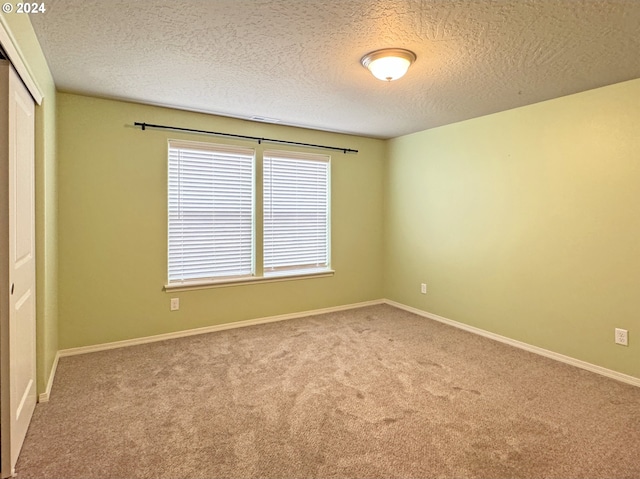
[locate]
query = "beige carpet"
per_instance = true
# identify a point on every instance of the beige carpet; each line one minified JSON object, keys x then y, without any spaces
{"x":372,"y":392}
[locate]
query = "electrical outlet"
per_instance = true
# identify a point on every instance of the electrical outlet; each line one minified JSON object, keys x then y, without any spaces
{"x":622,"y":337}
{"x":423,"y":288}
{"x":175,"y":304}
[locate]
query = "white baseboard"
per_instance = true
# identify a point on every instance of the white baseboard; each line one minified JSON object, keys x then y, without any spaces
{"x":519,"y":344}
{"x":44,"y":397}
{"x":209,"y":329}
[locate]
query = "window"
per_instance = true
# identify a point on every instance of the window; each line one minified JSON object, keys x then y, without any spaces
{"x":212,"y":196}
{"x":296,"y":212}
{"x":211,"y":212}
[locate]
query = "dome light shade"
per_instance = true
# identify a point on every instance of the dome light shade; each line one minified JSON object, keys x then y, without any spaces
{"x":388,"y":64}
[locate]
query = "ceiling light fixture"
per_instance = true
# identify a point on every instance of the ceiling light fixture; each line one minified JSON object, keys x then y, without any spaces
{"x":388,"y":64}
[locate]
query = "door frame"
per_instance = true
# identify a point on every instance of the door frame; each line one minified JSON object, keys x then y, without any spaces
{"x":12,"y":51}
{"x":5,"y":386}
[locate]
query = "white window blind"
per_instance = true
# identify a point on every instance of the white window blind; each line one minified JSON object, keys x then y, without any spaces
{"x":296,"y":211}
{"x":210,"y":211}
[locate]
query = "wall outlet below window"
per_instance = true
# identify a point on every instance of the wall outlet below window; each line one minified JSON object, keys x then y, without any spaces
{"x":175,"y":304}
{"x":423,"y":288}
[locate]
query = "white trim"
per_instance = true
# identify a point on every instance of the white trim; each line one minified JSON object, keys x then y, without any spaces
{"x":44,"y":397}
{"x":211,"y":146}
{"x":221,"y":283}
{"x":296,"y":155}
{"x":271,"y":319}
{"x":210,"y":329}
{"x":625,"y":378}
{"x":9,"y":45}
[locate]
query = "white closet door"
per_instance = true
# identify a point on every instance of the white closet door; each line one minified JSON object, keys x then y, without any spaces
{"x":17,"y":264}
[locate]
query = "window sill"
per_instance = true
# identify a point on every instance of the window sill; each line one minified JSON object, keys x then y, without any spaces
{"x":270,"y":278}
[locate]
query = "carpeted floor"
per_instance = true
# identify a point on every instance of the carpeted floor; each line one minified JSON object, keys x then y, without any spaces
{"x":372,"y":392}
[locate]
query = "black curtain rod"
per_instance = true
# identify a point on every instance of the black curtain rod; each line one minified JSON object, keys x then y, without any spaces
{"x":243,"y":137}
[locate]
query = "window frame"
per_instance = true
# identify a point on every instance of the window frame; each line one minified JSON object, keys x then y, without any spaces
{"x":258,"y":274}
{"x":220,"y":149}
{"x":284,"y":270}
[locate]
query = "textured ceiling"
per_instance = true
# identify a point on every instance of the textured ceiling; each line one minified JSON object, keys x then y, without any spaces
{"x":298,"y":61}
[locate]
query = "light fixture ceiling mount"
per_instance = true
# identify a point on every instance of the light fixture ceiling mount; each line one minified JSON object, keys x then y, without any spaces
{"x":388,"y":64}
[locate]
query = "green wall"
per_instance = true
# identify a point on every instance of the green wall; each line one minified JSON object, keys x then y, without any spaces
{"x":26,"y":43}
{"x":525,"y":223}
{"x":113,"y":225}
